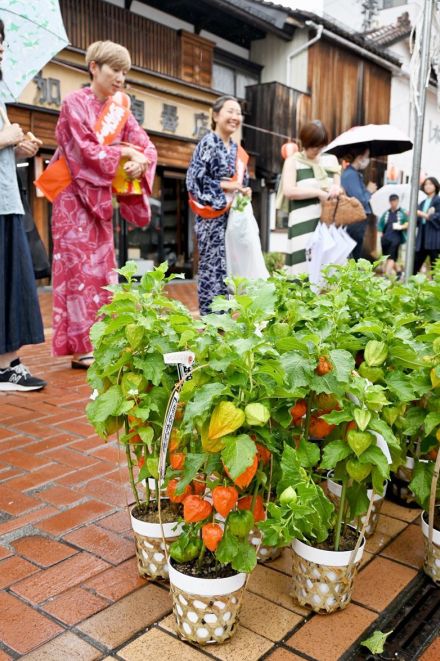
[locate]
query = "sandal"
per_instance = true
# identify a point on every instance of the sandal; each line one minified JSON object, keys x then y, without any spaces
{"x":82,"y":363}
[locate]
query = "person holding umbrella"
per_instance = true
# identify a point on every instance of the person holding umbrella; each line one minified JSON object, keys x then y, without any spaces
{"x":352,"y":182}
{"x":428,"y":223}
{"x":356,"y":146}
{"x":20,"y":317}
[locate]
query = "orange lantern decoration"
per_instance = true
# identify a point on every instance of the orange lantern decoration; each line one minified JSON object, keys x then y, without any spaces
{"x":288,"y":149}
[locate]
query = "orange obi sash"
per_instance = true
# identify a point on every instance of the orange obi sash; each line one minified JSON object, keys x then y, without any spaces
{"x":208,"y":212}
{"x":110,"y":123}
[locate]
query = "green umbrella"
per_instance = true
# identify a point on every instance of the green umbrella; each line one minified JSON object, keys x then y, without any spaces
{"x":34,"y":33}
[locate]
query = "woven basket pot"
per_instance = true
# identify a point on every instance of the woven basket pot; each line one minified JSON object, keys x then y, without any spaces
{"x":264,"y":553}
{"x":206,"y":609}
{"x":432,"y":556}
{"x":334,"y":493}
{"x":399,"y":491}
{"x":150,"y":546}
{"x":323,"y":580}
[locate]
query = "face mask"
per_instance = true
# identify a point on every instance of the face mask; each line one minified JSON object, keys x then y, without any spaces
{"x":364,"y":163}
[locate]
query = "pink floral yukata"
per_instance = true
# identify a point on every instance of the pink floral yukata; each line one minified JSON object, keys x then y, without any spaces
{"x":82,"y":231}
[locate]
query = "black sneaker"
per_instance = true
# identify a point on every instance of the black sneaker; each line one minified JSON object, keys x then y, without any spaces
{"x":18,"y":377}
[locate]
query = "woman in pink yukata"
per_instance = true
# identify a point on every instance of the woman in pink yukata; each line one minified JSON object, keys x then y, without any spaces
{"x":82,"y":230}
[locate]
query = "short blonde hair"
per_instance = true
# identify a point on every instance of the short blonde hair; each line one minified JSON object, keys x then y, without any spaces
{"x":107,"y":52}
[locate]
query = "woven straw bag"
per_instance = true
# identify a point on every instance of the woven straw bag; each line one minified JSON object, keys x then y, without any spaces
{"x":343,"y":210}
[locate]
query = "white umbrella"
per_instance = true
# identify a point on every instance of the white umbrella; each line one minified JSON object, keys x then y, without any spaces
{"x":380,"y":199}
{"x":34,"y":33}
{"x":380,"y":139}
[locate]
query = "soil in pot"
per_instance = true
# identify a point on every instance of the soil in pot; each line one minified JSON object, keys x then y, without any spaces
{"x":150,"y":546}
{"x":347,"y":541}
{"x":170,"y":512}
{"x":209,"y":568}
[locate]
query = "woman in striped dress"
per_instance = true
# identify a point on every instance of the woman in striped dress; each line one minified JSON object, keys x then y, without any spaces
{"x":307,"y":179}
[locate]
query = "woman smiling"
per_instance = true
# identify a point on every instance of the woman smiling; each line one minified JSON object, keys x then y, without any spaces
{"x":96,"y":137}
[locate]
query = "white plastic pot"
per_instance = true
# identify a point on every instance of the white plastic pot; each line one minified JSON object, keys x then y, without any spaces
{"x":206,"y":609}
{"x":150,"y":546}
{"x":432,"y":555}
{"x":335,"y":490}
{"x":323,"y":580}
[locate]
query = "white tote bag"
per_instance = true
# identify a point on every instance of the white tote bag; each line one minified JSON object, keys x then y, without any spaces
{"x":244,"y":257}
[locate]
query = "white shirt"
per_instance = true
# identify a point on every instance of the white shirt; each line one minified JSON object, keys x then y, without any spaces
{"x":10,"y":201}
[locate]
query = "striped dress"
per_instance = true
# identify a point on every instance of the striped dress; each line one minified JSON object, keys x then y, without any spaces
{"x":304,"y":215}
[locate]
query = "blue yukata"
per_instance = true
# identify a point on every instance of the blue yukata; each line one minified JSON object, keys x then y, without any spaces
{"x":210,"y":163}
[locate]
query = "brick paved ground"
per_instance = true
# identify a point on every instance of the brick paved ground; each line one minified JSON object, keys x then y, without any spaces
{"x":69,"y":587}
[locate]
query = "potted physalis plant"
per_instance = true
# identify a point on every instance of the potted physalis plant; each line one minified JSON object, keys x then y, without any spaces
{"x":327,"y":548}
{"x":424,"y":482}
{"x":132,"y":385}
{"x":226,"y":439}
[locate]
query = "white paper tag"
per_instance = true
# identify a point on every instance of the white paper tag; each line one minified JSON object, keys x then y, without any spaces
{"x":185,"y":358}
{"x":166,"y":433}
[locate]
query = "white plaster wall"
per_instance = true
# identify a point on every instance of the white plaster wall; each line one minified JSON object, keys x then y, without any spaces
{"x":346,"y":13}
{"x":389,"y":16}
{"x":402,"y":117}
{"x":272,"y":53}
{"x":315,"y":6}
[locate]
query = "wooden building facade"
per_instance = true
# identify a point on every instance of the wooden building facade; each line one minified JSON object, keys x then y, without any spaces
{"x":170,"y":85}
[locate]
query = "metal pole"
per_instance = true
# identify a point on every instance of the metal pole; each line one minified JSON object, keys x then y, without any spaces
{"x":423,"y":82}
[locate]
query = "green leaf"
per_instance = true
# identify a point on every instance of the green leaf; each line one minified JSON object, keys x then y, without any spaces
{"x":152,"y":367}
{"x":343,"y":363}
{"x":432,"y":420}
{"x":134,"y":335}
{"x":144,"y":473}
{"x":227,"y":549}
{"x":106,"y":404}
{"x":401,"y":385}
{"x":336,"y":417}
{"x":97,"y":332}
{"x":375,"y":643}
{"x":245,"y":560}
{"x":193,"y":464}
{"x":335,"y":452}
{"x":238,"y":454}
{"x":374,"y":455}
{"x":403,"y":356}
{"x":308,"y":453}
{"x":289,"y":344}
{"x":200,"y":405}
{"x":146,"y":434}
{"x":382,"y":428}
{"x":413,"y":420}
{"x":128,"y":270}
{"x":357,"y":499}
{"x":420,"y":485}
{"x":297,"y":368}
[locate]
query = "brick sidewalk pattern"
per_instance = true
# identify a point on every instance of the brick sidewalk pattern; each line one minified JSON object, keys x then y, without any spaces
{"x":69,"y":587}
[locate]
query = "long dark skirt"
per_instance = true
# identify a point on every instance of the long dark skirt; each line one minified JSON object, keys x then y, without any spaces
{"x":20,"y":316}
{"x":212,"y":260}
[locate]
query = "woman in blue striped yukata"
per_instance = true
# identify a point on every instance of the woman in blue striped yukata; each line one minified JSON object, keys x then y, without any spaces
{"x":308,"y":177}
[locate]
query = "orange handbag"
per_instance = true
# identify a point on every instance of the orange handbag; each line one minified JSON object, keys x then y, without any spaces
{"x":112,"y":119}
